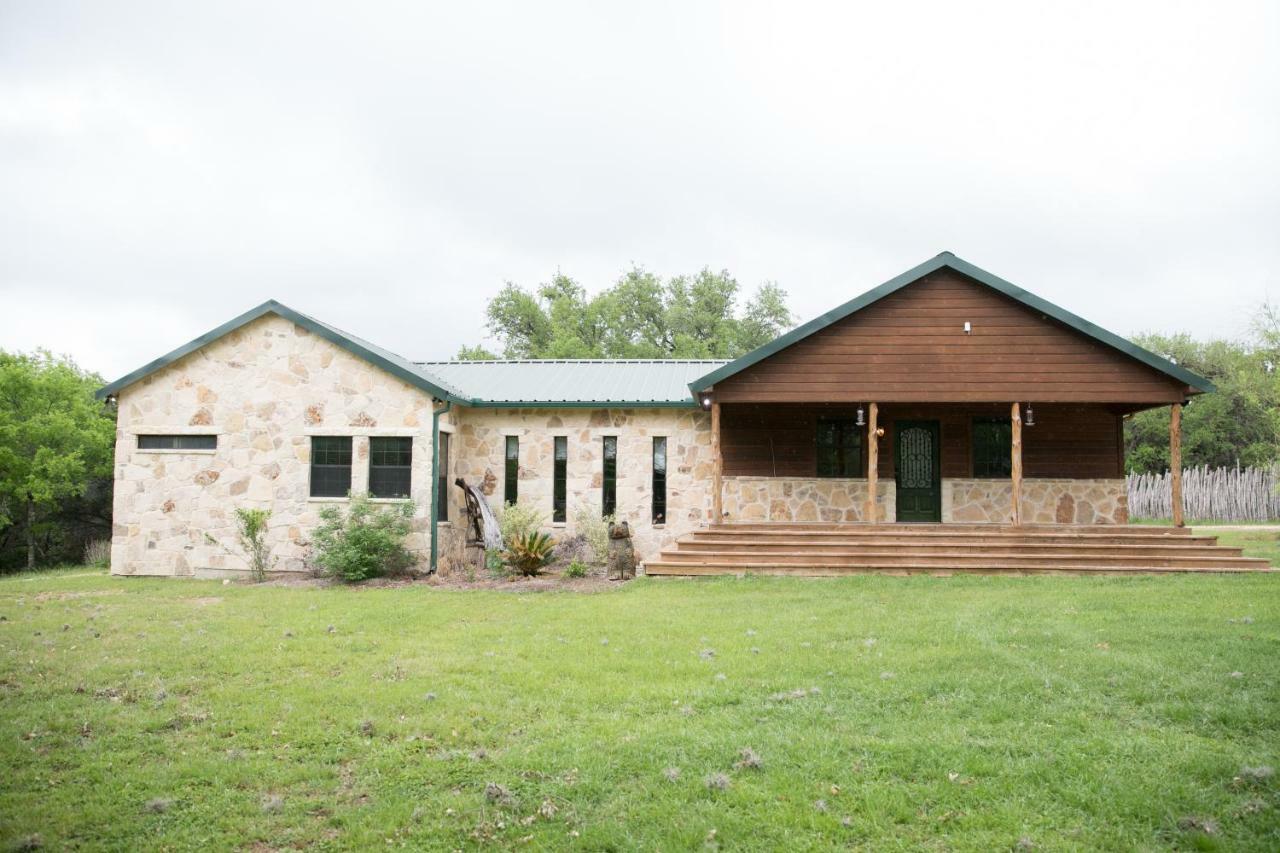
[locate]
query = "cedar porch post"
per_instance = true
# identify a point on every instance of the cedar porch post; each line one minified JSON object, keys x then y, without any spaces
{"x":1175,"y":462}
{"x":1015,"y":418}
{"x":717,"y":504}
{"x":872,"y":513}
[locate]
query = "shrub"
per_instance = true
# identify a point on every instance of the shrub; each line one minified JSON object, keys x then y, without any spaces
{"x":364,"y":542}
{"x":576,"y":569}
{"x":519,"y":520}
{"x":97,"y":553}
{"x":252,"y":524}
{"x":588,"y":523}
{"x":529,"y":552}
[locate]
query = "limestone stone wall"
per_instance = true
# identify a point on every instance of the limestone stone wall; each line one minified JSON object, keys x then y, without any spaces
{"x":479,"y":457}
{"x":803,"y":499}
{"x":1044,"y":501}
{"x":264,"y":390}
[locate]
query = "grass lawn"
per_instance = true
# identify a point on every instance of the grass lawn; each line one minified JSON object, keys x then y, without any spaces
{"x":1256,"y":543}
{"x":969,"y":713}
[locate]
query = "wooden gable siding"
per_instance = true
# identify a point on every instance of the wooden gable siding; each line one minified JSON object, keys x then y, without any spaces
{"x":1078,"y":441}
{"x":911,"y":347}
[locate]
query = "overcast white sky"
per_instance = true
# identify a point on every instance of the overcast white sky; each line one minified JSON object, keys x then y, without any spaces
{"x":164,"y":167}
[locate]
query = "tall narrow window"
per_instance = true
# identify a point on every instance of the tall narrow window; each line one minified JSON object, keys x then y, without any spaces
{"x":511,"y":489}
{"x":559,"y":488}
{"x":330,"y":466}
{"x":610,"y":502}
{"x":839,"y":447}
{"x":390,"y":464}
{"x":442,"y":480}
{"x":659,"y":480}
{"x":992,"y":447}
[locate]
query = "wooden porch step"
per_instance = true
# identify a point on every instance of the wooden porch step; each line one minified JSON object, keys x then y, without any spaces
{"x":1031,"y":529}
{"x":822,"y":570}
{"x":720,"y":546}
{"x":964,"y":559}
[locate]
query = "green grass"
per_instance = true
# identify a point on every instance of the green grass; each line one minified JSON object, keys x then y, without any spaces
{"x":1256,"y":543}
{"x":964,"y":713}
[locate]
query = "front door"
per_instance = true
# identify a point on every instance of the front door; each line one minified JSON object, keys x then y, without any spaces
{"x":916,"y":472}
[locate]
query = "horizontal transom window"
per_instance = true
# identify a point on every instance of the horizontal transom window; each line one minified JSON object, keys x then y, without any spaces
{"x":177,"y":442}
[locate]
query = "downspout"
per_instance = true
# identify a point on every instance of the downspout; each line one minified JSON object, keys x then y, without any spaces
{"x":435,"y":480}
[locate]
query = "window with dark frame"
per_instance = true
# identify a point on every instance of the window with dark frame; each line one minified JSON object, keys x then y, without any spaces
{"x":559,"y":488}
{"x":609,"y":504}
{"x":177,"y":442}
{"x":442,"y":480}
{"x":839,"y":446}
{"x":390,"y":466}
{"x":511,"y":489}
{"x":330,"y":466}
{"x":992,"y":447}
{"x":659,"y":479}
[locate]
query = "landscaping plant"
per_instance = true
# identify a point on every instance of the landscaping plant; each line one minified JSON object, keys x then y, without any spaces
{"x":252,"y":525}
{"x":529,"y":552}
{"x":364,"y":542}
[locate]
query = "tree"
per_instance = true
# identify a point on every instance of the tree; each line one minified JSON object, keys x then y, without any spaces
{"x":639,"y":316}
{"x":55,"y":438}
{"x":1239,"y":424}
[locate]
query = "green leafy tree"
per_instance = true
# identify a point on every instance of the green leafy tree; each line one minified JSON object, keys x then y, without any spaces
{"x":639,"y":316}
{"x":55,"y":439}
{"x":1237,"y":424}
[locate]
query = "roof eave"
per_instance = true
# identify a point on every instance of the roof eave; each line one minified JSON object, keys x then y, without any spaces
{"x":273,"y":307}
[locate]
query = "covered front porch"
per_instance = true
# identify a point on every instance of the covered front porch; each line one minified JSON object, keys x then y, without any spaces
{"x":946,"y":462}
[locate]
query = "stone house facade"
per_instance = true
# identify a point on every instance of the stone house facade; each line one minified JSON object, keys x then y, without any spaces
{"x":281,"y":411}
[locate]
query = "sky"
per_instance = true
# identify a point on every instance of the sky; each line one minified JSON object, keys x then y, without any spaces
{"x":387,"y":168}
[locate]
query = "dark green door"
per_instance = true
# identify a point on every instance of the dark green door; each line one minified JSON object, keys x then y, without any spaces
{"x":916,"y":471}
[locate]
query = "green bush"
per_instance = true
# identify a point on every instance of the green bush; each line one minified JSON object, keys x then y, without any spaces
{"x":519,"y":520}
{"x":576,"y":569}
{"x":364,"y":542}
{"x":252,"y":524}
{"x":529,"y":552}
{"x":588,"y":524}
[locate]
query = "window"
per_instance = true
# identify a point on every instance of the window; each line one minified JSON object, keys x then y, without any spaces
{"x":992,"y":447}
{"x":390,"y":463}
{"x":560,"y":472}
{"x":330,"y":466}
{"x":511,"y":489}
{"x":839,"y":447}
{"x":659,"y":480}
{"x":442,"y":480}
{"x":177,"y":442}
{"x":610,"y":502}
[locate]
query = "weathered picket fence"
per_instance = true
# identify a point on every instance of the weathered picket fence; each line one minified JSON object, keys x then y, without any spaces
{"x":1209,"y":494}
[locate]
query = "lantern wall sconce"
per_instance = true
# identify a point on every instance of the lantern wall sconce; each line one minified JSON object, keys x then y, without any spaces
{"x":862,"y":419}
{"x":1031,"y":416}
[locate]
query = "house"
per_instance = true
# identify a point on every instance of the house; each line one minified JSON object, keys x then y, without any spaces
{"x":945,"y":396}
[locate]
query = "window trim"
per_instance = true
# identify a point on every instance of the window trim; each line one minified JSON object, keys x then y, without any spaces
{"x":654,"y":517}
{"x":559,"y":479}
{"x":139,"y":437}
{"x":847,"y":422}
{"x":973,"y":447}
{"x":407,"y":468}
{"x":312,"y":465}
{"x":511,"y":470}
{"x":441,"y":477}
{"x":608,"y":479}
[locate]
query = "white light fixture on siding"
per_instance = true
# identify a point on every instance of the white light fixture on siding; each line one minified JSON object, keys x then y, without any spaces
{"x":862,"y":421}
{"x":968,"y":328}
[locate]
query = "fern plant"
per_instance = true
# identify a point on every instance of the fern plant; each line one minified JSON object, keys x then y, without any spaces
{"x":528,"y":552}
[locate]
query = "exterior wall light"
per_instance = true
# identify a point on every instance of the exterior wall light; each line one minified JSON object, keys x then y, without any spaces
{"x":706,"y":401}
{"x":1031,"y":416}
{"x":862,"y":419}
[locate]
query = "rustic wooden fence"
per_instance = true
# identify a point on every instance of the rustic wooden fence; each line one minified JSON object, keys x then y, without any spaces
{"x":1209,"y":494}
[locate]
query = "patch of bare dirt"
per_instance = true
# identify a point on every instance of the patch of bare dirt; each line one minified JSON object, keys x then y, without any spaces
{"x":204,"y":600}
{"x":63,"y":596}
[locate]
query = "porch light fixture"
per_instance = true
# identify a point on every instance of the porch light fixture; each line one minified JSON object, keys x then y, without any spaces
{"x":1031,"y":416}
{"x":706,"y":401}
{"x":862,"y":421}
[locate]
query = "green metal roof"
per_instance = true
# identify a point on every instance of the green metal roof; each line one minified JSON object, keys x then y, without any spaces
{"x":396,"y":365}
{"x":574,"y":382}
{"x":946,"y":259}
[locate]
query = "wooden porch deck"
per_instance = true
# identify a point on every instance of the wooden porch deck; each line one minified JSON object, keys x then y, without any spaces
{"x":815,"y":549}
